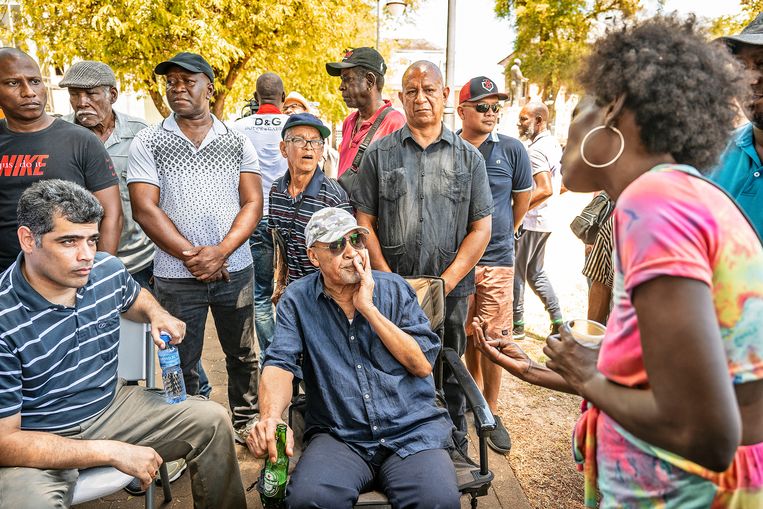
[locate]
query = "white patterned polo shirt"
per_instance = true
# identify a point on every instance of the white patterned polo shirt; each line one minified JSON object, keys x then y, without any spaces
{"x":198,"y":186}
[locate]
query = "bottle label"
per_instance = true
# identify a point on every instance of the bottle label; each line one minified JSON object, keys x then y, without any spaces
{"x":270,"y":484}
{"x":169,"y":357}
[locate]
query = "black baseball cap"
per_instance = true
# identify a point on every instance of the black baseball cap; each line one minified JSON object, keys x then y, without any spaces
{"x":479,"y":88}
{"x":752,"y":34}
{"x":365,"y":57}
{"x":190,"y":62}
{"x":307,"y":119}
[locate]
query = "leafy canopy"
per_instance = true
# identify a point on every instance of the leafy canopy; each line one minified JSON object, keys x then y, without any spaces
{"x":553,"y":35}
{"x":240,"y":38}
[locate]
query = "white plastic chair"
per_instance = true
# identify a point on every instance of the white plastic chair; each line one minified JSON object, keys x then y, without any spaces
{"x":136,"y":362}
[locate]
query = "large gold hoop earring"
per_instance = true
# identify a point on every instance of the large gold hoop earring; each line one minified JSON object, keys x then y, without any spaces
{"x":619,"y":152}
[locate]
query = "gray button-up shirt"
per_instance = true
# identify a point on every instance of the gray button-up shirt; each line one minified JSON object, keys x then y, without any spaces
{"x":135,"y":248}
{"x":424,"y":200}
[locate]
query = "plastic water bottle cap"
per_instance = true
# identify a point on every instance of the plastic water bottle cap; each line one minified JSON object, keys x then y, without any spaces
{"x":165,"y":337}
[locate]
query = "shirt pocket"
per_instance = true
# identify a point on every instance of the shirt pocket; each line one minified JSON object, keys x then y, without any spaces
{"x":392,"y":184}
{"x":455,"y":185}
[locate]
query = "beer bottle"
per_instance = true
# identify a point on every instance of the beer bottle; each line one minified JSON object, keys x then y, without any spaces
{"x":275,"y":475}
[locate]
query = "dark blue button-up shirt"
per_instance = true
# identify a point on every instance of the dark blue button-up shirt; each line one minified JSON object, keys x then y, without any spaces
{"x":356,"y":390}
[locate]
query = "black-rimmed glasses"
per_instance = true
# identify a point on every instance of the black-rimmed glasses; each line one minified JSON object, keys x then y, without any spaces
{"x":302,"y":143}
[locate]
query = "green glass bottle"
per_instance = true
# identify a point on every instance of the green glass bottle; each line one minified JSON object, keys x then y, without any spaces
{"x":275,"y":475}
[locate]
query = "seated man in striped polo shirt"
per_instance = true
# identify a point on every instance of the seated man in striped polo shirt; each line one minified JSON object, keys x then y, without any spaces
{"x":62,"y":407}
{"x":302,"y":191}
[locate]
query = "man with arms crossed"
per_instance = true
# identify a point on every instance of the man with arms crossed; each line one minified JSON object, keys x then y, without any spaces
{"x":62,"y":407}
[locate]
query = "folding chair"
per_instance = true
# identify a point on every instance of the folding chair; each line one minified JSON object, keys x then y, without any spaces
{"x":473,"y":479}
{"x":136,"y":362}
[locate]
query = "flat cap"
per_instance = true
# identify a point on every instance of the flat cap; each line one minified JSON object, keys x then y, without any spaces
{"x":88,"y":74}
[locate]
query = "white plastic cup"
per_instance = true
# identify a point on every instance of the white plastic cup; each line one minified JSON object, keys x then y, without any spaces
{"x":587,"y":333}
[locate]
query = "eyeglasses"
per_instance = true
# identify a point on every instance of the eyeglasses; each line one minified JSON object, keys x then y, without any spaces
{"x":484,"y":107}
{"x":302,"y":143}
{"x":357,"y":241}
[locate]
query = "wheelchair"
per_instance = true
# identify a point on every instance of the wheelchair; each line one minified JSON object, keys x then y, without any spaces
{"x":473,"y":479}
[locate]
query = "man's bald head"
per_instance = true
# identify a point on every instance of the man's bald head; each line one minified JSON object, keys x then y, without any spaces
{"x":423,"y":67}
{"x":536,"y":110}
{"x":11,"y":54}
{"x":270,"y":89}
{"x":533,"y":120}
{"x":423,"y":95}
{"x":22,"y":91}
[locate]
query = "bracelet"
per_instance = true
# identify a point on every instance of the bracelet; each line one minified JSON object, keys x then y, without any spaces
{"x":530,"y":366}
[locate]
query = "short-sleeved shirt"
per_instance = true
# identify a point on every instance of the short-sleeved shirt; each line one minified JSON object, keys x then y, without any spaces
{"x":545,"y":155}
{"x":351,"y":140}
{"x":58,"y":364}
{"x":60,"y":151}
{"x":264,"y":131}
{"x":670,"y":223}
{"x":289,"y":216}
{"x":740,"y":172}
{"x":135,"y":248}
{"x":423,"y":200}
{"x":198,"y":186}
{"x":508,"y":171}
{"x":356,"y":389}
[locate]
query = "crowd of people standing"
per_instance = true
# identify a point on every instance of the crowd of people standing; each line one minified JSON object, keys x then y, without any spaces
{"x":102,"y":215}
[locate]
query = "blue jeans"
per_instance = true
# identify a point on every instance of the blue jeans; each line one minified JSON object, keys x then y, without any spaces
{"x":261,"y":244}
{"x":231,"y":304}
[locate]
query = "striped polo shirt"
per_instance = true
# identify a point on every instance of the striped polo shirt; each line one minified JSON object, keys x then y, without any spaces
{"x":289,"y":216}
{"x":58,"y":364}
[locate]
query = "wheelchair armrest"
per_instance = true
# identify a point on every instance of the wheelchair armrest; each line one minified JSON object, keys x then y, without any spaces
{"x":483,"y":417}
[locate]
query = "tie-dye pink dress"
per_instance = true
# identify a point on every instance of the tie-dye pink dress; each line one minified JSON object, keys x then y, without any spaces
{"x":670,"y":223}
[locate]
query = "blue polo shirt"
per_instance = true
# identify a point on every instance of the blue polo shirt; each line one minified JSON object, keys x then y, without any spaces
{"x":356,"y":390}
{"x":508,"y":171}
{"x":741,"y":174}
{"x":58,"y":364}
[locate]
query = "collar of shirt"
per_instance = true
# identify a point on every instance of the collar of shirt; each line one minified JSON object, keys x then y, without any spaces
{"x":28,"y":296}
{"x":312,"y":189}
{"x":268,"y":109}
{"x":540,"y":136}
{"x":355,"y":116}
{"x":492,"y":137}
{"x":445,"y":135}
{"x":745,"y":140}
{"x":218,"y":129}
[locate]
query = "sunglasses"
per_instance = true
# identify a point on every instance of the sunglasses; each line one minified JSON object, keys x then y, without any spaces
{"x":484,"y":107}
{"x":357,"y":242}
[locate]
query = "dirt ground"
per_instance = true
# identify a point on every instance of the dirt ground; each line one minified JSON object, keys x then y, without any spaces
{"x":540,"y":421}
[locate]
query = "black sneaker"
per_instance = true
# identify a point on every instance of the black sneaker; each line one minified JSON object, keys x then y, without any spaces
{"x":499,"y":439}
{"x":555,"y":326}
{"x":519,"y":331}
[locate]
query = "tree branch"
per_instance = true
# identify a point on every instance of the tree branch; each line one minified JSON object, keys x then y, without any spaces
{"x":218,"y":107}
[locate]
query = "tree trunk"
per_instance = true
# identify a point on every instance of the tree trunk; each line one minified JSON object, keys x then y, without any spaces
{"x":156,"y":97}
{"x":218,"y":107}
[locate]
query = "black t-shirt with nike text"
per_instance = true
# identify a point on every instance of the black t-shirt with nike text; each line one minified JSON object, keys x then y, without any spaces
{"x":60,"y":151}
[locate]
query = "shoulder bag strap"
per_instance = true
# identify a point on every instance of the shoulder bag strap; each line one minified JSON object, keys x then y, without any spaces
{"x":367,"y":140}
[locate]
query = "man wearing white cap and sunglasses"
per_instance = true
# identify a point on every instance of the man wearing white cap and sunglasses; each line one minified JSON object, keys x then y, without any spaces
{"x":363,"y":331}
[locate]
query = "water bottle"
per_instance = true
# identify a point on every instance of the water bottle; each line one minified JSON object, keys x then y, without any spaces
{"x":172,"y":374}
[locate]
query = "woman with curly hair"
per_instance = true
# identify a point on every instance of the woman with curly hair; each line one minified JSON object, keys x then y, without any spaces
{"x":673,"y":401}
